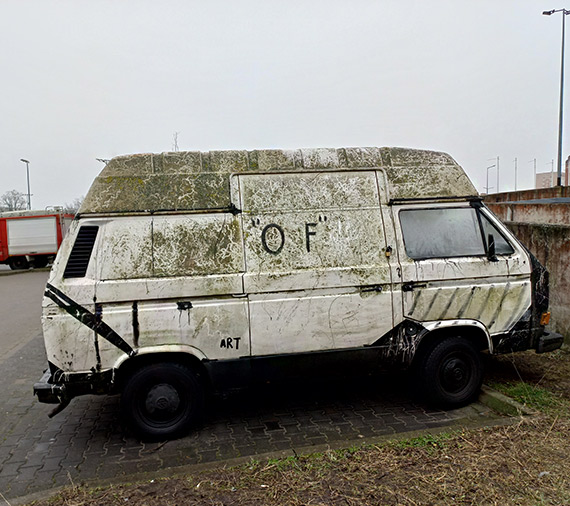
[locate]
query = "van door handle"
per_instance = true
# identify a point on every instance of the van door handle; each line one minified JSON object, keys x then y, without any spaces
{"x":371,"y":288}
{"x":409,"y":287}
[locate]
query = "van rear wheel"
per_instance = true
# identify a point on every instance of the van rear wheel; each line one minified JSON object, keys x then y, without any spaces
{"x":451,"y":373}
{"x":162,"y":401}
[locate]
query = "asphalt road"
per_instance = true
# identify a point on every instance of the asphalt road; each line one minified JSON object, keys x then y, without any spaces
{"x":20,"y":309}
{"x":86,"y":441}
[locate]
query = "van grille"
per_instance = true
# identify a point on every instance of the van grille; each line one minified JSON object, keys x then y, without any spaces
{"x":81,"y":253}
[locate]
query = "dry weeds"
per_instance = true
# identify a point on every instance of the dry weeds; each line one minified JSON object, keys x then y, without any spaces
{"x":522,"y":464}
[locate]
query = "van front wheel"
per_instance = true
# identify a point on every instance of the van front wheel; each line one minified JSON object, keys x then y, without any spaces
{"x":451,"y":373}
{"x":162,"y":401}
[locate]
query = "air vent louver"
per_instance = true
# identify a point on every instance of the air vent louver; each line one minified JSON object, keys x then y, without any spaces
{"x":81,"y":253}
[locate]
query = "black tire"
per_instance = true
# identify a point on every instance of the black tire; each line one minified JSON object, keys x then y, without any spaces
{"x":162,"y":401}
{"x":40,"y":261}
{"x":451,"y":373}
{"x":18,"y":263}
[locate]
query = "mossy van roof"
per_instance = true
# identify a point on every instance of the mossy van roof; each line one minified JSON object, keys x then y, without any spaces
{"x":193,"y":180}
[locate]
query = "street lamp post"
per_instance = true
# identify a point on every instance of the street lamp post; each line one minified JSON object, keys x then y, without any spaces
{"x":534,"y":183}
{"x":497,"y":165}
{"x":560,"y":112}
{"x":487,"y":187}
{"x":28,"y":176}
{"x":497,"y":176}
{"x":516,"y":166}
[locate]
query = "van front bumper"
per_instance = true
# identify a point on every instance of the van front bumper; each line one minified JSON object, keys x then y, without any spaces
{"x":549,"y":341}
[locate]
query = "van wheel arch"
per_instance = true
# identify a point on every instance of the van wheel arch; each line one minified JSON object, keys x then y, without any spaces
{"x":130,"y":366}
{"x":473,"y":334}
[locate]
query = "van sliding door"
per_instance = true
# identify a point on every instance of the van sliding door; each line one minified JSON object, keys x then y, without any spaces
{"x":317,"y":276}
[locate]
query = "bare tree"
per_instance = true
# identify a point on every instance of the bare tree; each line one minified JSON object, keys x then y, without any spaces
{"x":73,"y":206}
{"x":13,"y":200}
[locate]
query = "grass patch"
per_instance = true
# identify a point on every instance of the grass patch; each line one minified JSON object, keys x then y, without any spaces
{"x":534,"y":397}
{"x":427,"y":441}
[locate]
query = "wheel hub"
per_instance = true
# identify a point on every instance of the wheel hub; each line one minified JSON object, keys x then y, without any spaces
{"x":162,"y":398}
{"x":455,"y":374}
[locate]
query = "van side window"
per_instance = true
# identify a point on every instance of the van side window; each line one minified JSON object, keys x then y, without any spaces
{"x":441,"y":233}
{"x":81,"y":253}
{"x":502,"y":247}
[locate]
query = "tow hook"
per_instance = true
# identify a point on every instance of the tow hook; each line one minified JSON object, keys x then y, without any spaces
{"x":59,"y":408}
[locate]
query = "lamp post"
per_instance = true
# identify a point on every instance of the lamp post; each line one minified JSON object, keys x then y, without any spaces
{"x":28,"y":176}
{"x":487,"y":187}
{"x":497,"y":176}
{"x":560,"y":112}
{"x":497,"y":165}
{"x":534,"y":183}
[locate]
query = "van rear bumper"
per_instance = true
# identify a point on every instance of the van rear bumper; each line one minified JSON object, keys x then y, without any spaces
{"x":549,"y":341}
{"x":49,"y":392}
{"x":55,"y":387}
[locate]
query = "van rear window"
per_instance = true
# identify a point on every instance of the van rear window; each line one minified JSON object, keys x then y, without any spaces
{"x":441,"y":233}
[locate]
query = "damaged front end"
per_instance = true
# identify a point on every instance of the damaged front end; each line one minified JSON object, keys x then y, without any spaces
{"x":529,"y":332}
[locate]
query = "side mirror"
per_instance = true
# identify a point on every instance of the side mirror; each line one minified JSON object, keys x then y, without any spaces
{"x":491,"y":255}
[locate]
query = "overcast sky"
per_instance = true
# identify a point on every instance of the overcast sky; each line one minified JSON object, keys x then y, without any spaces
{"x":82,"y":80}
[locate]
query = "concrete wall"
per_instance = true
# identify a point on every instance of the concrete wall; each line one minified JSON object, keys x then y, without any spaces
{"x":551,"y":245}
{"x":541,"y":220}
{"x":539,"y":193}
{"x":548,"y":213}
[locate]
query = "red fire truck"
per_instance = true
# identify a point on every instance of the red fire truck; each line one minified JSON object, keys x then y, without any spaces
{"x":31,"y":237}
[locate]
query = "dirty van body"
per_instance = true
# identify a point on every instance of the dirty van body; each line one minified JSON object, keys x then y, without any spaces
{"x":188,"y":271}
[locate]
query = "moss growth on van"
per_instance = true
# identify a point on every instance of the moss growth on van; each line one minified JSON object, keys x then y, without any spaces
{"x":188,"y":180}
{"x":190,"y":247}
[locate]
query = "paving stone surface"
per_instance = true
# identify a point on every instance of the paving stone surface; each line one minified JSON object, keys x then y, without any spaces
{"x":86,"y":441}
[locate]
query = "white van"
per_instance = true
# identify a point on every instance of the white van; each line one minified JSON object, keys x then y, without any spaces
{"x":190,"y":271}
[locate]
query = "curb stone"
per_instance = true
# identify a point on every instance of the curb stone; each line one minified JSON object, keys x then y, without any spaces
{"x":24,"y":271}
{"x":502,"y":404}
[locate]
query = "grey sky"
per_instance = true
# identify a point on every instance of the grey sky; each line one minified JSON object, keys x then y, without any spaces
{"x":82,"y":80}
